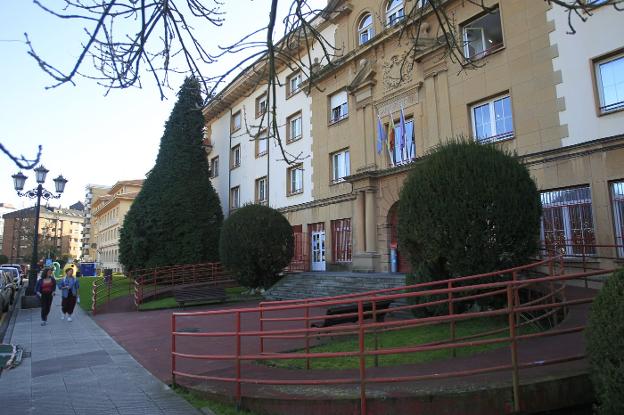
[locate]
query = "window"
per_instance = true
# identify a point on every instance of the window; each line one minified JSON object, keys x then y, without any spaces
{"x":293,"y":128}
{"x":234,"y":197}
{"x":338,"y":106}
{"x":262,"y":144}
{"x":340,"y":166}
{"x":404,"y":146}
{"x":365,"y":29}
{"x":610,"y":83}
{"x":394,"y":12}
{"x":214,"y":167}
{"x":293,"y":84}
{"x":617,"y":199}
{"x":235,"y":158}
{"x":483,"y":36}
{"x":261,"y":190}
{"x":567,"y":224}
{"x":295,"y":179}
{"x":492,"y":120}
{"x":236,"y":121}
{"x":341,"y":240}
{"x":261,"y":105}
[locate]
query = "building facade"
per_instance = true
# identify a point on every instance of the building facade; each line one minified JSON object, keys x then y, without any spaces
{"x":107,"y":215}
{"x":59,"y":234}
{"x":89,"y":253}
{"x":553,"y":98}
{"x":4,"y":208}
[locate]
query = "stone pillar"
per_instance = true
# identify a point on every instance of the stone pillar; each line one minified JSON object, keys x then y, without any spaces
{"x":371,"y":225}
{"x":358,"y":223}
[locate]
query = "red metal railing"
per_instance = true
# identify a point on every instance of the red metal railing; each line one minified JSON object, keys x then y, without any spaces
{"x":104,"y":290}
{"x":283,"y":330}
{"x":156,"y":281}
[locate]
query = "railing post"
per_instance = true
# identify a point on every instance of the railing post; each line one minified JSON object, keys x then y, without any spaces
{"x":307,"y":334}
{"x":173,"y":349}
{"x":362,"y":358}
{"x":514,"y":348}
{"x":238,"y":363}
{"x":516,"y":289}
{"x":374,"y":307}
{"x":261,"y":329}
{"x":451,"y":311}
{"x":93,"y":297}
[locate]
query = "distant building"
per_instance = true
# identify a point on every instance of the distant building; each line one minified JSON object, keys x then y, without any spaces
{"x":88,"y":239}
{"x":107,"y":215}
{"x":4,"y":208}
{"x":59,"y":233}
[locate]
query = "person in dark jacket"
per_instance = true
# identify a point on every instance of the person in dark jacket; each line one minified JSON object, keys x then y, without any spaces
{"x":69,"y":287}
{"x":44,"y":289}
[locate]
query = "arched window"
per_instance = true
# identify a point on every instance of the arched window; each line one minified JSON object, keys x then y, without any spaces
{"x":365,"y":29}
{"x":394,"y":12}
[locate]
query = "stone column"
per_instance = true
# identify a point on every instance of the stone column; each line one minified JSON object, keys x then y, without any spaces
{"x":358,"y":223}
{"x":371,"y":225}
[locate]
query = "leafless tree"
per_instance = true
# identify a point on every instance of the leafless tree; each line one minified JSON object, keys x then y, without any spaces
{"x":126,"y":39}
{"x":22,"y":161}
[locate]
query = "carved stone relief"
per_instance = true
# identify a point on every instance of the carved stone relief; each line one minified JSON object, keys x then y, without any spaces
{"x":399,"y":70}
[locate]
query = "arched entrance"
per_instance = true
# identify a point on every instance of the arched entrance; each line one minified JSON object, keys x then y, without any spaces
{"x":403,"y":264}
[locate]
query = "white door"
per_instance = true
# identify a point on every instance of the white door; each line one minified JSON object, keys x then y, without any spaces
{"x":318,"y":251}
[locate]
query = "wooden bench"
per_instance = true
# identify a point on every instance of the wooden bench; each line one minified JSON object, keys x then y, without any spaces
{"x":199,"y":293}
{"x":353,"y":309}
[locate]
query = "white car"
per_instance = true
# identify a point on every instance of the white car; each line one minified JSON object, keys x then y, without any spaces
{"x":15,"y":272}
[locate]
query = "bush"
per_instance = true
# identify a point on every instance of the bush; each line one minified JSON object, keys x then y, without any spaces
{"x":256,"y":244}
{"x":605,"y":345}
{"x":467,"y":209}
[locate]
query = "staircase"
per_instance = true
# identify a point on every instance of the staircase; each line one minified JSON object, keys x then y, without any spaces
{"x":328,"y":284}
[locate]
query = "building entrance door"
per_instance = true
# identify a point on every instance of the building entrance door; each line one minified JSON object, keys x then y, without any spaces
{"x":318,"y":251}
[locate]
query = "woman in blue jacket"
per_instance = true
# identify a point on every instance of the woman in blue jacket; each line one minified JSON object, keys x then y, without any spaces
{"x":69,"y":287}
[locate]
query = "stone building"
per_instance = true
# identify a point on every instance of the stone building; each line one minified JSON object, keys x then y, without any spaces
{"x":88,"y":237}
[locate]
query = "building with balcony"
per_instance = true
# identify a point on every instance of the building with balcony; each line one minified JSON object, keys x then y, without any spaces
{"x":88,"y":241}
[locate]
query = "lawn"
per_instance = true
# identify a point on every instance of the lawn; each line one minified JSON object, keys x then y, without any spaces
{"x":199,"y":402}
{"x":235,"y":294}
{"x":119,"y":289}
{"x":400,"y":338}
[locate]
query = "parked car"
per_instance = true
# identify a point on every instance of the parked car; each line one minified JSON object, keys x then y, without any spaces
{"x":16,"y":273}
{"x":7,"y":290}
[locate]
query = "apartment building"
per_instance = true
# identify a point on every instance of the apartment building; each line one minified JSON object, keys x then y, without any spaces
{"x":4,"y":208}
{"x":551,"y":97}
{"x":107,"y":215}
{"x":93,"y":191}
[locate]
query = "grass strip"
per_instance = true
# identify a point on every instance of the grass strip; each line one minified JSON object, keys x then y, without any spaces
{"x":200,"y":402}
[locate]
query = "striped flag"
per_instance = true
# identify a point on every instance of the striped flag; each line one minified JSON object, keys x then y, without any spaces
{"x":381,"y":137}
{"x":403,"y":133}
{"x":391,"y":137}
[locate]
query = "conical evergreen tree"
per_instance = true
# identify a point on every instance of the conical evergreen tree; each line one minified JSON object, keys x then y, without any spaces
{"x":177,"y":217}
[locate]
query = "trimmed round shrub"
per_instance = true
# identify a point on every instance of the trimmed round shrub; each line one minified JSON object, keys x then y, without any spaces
{"x":467,"y":209}
{"x":605,"y":345}
{"x":256,"y":244}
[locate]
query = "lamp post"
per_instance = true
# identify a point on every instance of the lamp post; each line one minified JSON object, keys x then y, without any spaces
{"x":39,"y":192}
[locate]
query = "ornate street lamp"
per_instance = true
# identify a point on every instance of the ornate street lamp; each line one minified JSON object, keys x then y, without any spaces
{"x":19,"y":180}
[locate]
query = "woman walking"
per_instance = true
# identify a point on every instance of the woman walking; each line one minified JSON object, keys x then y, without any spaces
{"x":45,"y":287}
{"x":69,"y":286}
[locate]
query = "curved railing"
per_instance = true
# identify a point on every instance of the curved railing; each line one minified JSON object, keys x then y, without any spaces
{"x":104,"y":290}
{"x":277,"y":331}
{"x":152,"y":282}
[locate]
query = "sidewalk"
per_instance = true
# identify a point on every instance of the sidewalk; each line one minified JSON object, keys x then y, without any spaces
{"x":77,"y":368}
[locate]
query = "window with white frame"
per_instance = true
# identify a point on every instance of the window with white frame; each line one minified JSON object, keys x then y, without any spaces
{"x":617,"y":200}
{"x":235,"y":157}
{"x":236,"y":121}
{"x":261,"y":105}
{"x":295,"y":179}
{"x":394,"y":12}
{"x":340,"y":166}
{"x":235,"y":197}
{"x":261,"y":190}
{"x":483,"y":35}
{"x":214,"y":167}
{"x":404,"y":145}
{"x":294,"y":128}
{"x":293,"y":84}
{"x":365,"y":29}
{"x":610,"y":82}
{"x":492,"y":120}
{"x":339,"y":109}
{"x":262,"y":144}
{"x":567,"y":222}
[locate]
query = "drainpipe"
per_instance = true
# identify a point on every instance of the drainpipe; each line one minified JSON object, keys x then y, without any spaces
{"x":229,"y":164}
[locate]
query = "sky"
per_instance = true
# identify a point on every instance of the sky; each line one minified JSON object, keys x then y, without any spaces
{"x":87,"y":136}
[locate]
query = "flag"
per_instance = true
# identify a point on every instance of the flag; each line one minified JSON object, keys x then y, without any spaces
{"x":391,"y":134}
{"x":403,"y":133}
{"x":380,"y":135}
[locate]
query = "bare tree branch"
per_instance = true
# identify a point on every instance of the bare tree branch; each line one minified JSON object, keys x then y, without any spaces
{"x":21,"y":161}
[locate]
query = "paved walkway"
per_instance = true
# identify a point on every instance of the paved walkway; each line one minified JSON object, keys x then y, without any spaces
{"x":77,"y":368}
